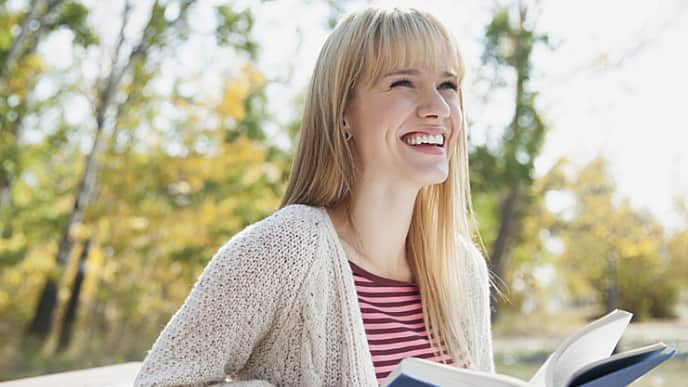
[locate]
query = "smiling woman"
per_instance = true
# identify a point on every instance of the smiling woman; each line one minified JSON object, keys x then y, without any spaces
{"x":370,"y":257}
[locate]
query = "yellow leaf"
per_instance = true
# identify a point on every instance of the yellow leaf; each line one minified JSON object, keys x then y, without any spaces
{"x":254,"y":76}
{"x":14,"y":278}
{"x":4,"y":300}
{"x":80,"y":231}
{"x":232,"y":104}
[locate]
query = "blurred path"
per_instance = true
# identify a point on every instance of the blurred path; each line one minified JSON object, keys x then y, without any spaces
{"x":672,"y":333}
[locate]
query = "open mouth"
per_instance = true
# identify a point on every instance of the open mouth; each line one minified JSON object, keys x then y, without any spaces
{"x":422,"y":145}
{"x":437,"y":141}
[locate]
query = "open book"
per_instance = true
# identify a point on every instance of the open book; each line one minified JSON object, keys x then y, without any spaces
{"x":581,"y":360}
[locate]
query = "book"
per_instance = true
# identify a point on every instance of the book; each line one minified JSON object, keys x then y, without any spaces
{"x":584,"y":359}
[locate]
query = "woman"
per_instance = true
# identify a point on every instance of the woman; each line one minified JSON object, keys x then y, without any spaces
{"x":370,"y":212}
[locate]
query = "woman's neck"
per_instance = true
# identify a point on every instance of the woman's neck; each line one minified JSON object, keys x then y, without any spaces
{"x":379,"y":246}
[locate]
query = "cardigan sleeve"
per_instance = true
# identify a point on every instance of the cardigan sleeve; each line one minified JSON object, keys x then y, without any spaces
{"x":476,"y":316}
{"x":230,"y":308}
{"x":484,"y":350}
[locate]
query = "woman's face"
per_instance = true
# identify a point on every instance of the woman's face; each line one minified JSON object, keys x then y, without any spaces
{"x":384,"y":114}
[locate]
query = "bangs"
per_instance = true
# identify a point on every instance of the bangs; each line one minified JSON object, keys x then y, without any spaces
{"x":407,"y":39}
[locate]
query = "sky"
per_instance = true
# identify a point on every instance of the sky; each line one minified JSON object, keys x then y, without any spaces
{"x":614,"y":85}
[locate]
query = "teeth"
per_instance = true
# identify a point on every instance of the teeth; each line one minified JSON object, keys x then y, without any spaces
{"x":425,"y":139}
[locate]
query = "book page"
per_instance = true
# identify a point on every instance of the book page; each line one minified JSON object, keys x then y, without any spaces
{"x":594,"y":342}
{"x":449,"y":376}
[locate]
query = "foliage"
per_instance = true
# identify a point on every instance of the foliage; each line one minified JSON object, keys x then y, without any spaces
{"x":169,"y":193}
{"x":614,"y":253}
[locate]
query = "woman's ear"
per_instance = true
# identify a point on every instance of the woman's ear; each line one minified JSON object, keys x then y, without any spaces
{"x":346,"y":122}
{"x":346,"y":119}
{"x":346,"y":129}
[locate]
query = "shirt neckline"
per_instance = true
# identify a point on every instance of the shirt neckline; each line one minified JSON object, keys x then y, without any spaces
{"x":378,"y":279}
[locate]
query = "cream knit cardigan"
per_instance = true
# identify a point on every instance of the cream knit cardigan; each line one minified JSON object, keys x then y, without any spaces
{"x":277,"y":306}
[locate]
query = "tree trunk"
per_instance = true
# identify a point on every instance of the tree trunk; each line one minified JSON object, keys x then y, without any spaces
{"x":73,"y":304}
{"x":498,"y":259}
{"x":83,"y":198}
{"x":42,"y":321}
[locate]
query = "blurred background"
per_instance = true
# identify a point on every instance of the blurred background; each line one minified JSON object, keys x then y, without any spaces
{"x":136,"y":137}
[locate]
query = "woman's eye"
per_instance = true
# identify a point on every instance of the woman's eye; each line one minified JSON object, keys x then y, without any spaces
{"x":401,"y":82}
{"x":406,"y":82}
{"x":449,"y":85}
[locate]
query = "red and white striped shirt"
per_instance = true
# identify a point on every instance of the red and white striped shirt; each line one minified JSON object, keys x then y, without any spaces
{"x":393,"y":320}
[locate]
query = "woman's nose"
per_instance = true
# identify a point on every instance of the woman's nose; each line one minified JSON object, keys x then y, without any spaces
{"x":432,"y":104}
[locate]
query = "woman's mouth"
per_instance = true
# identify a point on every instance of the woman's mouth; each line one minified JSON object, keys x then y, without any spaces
{"x":426,"y":143}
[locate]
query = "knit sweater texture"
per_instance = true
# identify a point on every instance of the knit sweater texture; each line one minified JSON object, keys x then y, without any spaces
{"x":276,"y":306}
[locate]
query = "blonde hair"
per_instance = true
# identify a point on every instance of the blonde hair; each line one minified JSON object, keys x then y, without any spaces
{"x":450,"y":271}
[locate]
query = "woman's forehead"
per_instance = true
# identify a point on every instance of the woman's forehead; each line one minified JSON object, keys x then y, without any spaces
{"x":399,"y":57}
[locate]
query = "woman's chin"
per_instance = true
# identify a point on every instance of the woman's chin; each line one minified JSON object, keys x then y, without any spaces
{"x":436,"y":177}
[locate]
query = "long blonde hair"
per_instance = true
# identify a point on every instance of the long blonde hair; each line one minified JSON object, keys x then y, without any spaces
{"x":449,"y":269}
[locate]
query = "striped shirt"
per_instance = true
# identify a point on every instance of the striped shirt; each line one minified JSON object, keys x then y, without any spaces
{"x":393,"y":320}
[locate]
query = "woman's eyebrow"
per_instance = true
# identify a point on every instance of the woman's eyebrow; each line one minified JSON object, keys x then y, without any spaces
{"x":415,"y":72}
{"x":402,"y":72}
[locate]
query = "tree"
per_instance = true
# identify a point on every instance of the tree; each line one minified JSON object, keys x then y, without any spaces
{"x":615,"y":255}
{"x":155,"y":35}
{"x":233,"y":30}
{"x":505,"y":174}
{"x":527,"y":291}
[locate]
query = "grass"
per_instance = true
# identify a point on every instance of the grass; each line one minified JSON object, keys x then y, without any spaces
{"x":674,"y":372}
